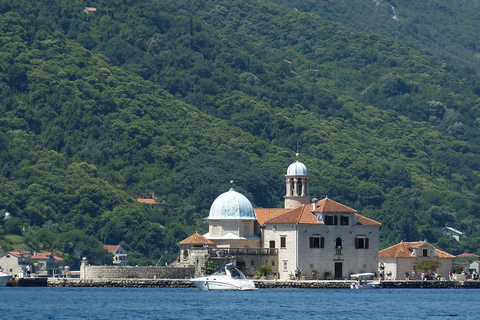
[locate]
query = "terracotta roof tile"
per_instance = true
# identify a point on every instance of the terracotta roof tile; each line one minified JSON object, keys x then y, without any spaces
{"x":111,"y":248}
{"x":366,"y":221}
{"x":330,"y":206}
{"x":300,"y":215}
{"x":45,"y":256}
{"x":148,"y":201}
{"x":263,"y":214}
{"x":196,"y":239}
{"x":404,"y":250}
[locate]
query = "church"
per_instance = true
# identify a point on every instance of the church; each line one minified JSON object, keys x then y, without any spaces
{"x":324,"y":239}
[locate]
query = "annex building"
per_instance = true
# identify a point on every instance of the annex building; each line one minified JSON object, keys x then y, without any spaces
{"x":323,"y":238}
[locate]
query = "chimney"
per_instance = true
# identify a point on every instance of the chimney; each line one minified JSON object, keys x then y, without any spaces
{"x":314,"y":203}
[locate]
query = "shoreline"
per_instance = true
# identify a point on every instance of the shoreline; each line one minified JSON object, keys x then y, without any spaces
{"x":261,"y":284}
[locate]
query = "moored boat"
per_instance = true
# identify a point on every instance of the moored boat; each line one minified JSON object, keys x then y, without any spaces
{"x":362,"y":282}
{"x":4,"y":278}
{"x":228,"y":278}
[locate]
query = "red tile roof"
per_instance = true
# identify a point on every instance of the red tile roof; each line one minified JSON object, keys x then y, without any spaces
{"x":148,"y":201}
{"x":196,"y":239}
{"x":45,"y":256}
{"x":298,"y":215}
{"x":329,"y":206}
{"x":364,"y":221}
{"x":263,"y":214}
{"x":404,"y":250}
{"x":304,"y":215}
{"x":111,"y":248}
{"x":15,"y":254}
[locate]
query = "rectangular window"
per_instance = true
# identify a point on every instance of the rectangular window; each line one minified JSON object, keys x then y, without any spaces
{"x":331,"y":220}
{"x":283,"y":242}
{"x":317,"y":242}
{"x":361,"y":243}
{"x":215,"y":229}
{"x":425,"y":252}
{"x":272,"y":244}
{"x":285,"y":265}
{"x":344,"y":220}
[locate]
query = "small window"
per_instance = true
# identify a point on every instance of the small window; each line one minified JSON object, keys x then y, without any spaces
{"x":285,"y":265}
{"x":272,"y":244}
{"x":331,"y":220}
{"x":361,"y":243}
{"x":252,"y":263}
{"x":317,"y":242}
{"x":283,"y":242}
{"x":273,"y":263}
{"x":344,"y":220}
{"x":425,"y":252}
{"x":215,"y":229}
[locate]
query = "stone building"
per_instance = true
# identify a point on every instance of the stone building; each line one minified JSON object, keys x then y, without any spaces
{"x":405,"y":256}
{"x":14,"y":262}
{"x":323,"y":238}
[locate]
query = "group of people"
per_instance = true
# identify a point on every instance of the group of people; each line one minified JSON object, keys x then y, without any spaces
{"x":423,"y":276}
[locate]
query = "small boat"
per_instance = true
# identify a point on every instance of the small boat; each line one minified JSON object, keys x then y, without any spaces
{"x":362,"y":282}
{"x":4,"y":278}
{"x":228,"y":278}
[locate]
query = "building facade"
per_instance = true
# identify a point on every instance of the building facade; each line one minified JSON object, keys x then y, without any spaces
{"x":324,"y":239}
{"x":405,"y":256}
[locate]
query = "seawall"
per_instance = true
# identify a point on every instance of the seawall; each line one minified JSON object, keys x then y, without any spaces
{"x":263,"y":284}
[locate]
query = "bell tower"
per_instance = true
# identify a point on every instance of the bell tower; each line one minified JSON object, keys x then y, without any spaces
{"x":296,"y":185}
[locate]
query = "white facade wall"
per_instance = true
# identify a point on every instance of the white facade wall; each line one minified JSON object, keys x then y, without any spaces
{"x":237,"y":227}
{"x":11,"y":264}
{"x":314,"y":262}
{"x":287,"y":256}
{"x":408,"y":264}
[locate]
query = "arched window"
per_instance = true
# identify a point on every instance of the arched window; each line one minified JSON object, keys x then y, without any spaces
{"x":338,"y":242}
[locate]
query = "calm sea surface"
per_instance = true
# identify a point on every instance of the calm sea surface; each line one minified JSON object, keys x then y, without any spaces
{"x":173,"y":303}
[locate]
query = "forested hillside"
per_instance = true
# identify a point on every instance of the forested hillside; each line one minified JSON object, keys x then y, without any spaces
{"x":176,"y":98}
{"x":443,"y":29}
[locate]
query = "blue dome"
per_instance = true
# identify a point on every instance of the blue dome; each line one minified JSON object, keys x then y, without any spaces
{"x":297,"y":169}
{"x":231,"y":205}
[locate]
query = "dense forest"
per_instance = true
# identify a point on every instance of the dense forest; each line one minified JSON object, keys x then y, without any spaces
{"x":174,"y":99}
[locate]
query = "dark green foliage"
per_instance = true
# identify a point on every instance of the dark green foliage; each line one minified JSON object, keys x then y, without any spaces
{"x":178,"y":98}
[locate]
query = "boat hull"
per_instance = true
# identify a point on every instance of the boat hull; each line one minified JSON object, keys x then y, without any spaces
{"x":4,"y":280}
{"x":205,"y":283}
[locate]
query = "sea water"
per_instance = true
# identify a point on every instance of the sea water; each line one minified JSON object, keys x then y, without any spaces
{"x":189,"y":303}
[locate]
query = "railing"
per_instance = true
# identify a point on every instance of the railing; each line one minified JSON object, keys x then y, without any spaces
{"x":338,"y":251}
{"x":242,"y":251}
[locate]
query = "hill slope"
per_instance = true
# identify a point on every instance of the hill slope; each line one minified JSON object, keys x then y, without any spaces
{"x":172,"y":99}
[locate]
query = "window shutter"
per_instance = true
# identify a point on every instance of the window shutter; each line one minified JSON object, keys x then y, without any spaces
{"x":366,"y":243}
{"x":311,"y":242}
{"x":356,"y":243}
{"x":322,"y":242}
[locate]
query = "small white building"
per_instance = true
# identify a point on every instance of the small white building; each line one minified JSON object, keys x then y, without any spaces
{"x":455,"y":234}
{"x":119,"y":255}
{"x":13,"y":262}
{"x":405,"y":256}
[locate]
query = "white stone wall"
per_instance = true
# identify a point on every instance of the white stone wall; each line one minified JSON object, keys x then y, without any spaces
{"x":287,"y":257}
{"x":404,"y":264}
{"x":321,"y":260}
{"x":10,"y":264}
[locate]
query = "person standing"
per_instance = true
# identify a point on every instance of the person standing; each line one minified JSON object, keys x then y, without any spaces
{"x":407,"y":275}
{"x":297,"y":273}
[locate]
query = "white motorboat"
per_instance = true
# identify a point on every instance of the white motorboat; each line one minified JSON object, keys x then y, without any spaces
{"x":4,"y":278}
{"x":362,"y":281}
{"x":229,"y":278}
